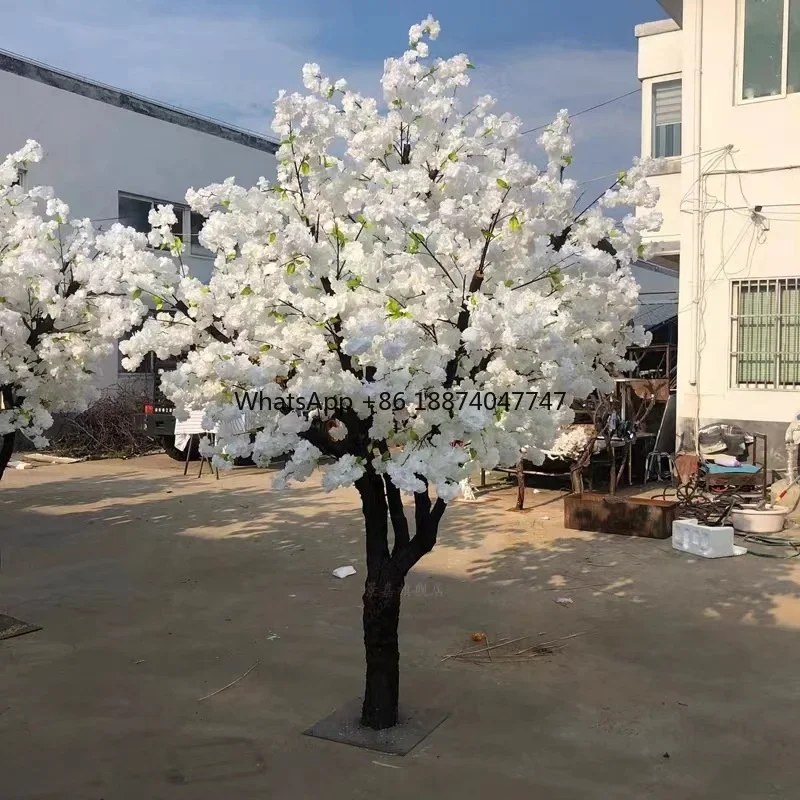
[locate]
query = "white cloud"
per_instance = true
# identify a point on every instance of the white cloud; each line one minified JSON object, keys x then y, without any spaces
{"x":230,"y":62}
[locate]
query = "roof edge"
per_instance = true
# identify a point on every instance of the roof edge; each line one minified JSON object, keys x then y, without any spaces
{"x":656,"y":27}
{"x":128,"y":101}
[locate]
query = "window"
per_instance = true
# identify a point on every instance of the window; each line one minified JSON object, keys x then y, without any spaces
{"x":133,"y":211}
{"x":770,"y":48}
{"x":667,"y":119}
{"x":196,"y":222}
{"x":765,"y":334}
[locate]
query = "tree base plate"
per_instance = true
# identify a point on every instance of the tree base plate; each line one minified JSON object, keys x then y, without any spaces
{"x":344,"y":726}
{"x":10,"y":627}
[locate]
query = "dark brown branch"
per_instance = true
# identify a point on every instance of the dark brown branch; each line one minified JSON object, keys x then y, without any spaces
{"x":427,"y":528}
{"x":373,"y":506}
{"x":397,"y":516}
{"x":211,"y":330}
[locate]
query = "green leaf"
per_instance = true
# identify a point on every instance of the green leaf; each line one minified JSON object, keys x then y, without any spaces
{"x":136,"y":294}
{"x":470,"y":65}
{"x":331,"y":346}
{"x":387,"y":456}
{"x":413,"y":435}
{"x":556,"y":281}
{"x":640,"y":251}
{"x":305,"y":167}
{"x":514,"y":223}
{"x":273,"y":237}
{"x":331,"y":92}
{"x":392,"y":306}
{"x":488,"y":132}
{"x":487,"y":234}
{"x":159,"y":303}
{"x":397,"y":102}
{"x":226,"y":203}
{"x":354,"y":283}
{"x":265,"y":348}
{"x":452,"y":156}
{"x":567,"y":160}
{"x":498,"y":415}
{"x":291,"y":267}
{"x":502,"y":184}
{"x":621,"y":176}
{"x":473,"y":453}
{"x":508,"y":284}
{"x":473,"y":300}
{"x":246,"y":291}
{"x":339,"y":234}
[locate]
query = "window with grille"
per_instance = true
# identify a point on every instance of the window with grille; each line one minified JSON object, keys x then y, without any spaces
{"x":765,"y":334}
{"x":667,"y":119}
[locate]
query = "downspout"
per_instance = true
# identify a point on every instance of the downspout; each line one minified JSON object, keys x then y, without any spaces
{"x":697,"y":240}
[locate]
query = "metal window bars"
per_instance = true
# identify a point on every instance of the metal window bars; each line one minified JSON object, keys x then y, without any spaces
{"x":765,"y":333}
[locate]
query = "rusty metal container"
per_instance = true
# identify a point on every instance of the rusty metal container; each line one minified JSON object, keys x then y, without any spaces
{"x":627,"y":516}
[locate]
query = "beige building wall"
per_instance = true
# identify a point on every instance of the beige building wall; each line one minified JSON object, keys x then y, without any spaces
{"x":749,"y":156}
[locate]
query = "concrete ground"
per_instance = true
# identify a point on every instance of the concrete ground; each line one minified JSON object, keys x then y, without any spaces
{"x":154,"y":590}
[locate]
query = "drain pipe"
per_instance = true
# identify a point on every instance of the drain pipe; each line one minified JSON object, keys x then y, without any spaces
{"x":792,"y":439}
{"x":697,"y":239}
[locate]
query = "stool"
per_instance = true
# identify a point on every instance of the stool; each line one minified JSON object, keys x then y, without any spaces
{"x":658,"y":466}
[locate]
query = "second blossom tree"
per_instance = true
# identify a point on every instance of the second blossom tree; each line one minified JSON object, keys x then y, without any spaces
{"x":410,"y":259}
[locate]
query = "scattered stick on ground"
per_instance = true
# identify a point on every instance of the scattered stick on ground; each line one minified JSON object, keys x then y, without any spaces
{"x":503,"y":652}
{"x":228,"y":686}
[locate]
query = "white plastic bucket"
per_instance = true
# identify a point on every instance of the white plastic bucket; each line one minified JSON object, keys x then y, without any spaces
{"x":770,"y":519}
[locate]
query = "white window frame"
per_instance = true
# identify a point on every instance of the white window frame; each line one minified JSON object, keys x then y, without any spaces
{"x":733,"y":330}
{"x":677,"y":78}
{"x":739,"y":89}
{"x":185,"y":216}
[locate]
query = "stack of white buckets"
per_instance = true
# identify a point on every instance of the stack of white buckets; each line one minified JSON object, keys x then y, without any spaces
{"x":690,"y":536}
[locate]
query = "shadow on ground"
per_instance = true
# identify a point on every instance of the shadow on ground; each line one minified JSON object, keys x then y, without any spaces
{"x":155,"y":590}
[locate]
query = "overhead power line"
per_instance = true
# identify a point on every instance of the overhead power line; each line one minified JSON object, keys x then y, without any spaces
{"x":586,"y":110}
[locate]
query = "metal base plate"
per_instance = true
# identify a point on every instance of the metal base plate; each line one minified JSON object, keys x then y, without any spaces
{"x":10,"y":627}
{"x":343,"y":726}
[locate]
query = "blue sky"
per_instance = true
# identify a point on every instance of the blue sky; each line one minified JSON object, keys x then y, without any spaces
{"x":228,"y":59}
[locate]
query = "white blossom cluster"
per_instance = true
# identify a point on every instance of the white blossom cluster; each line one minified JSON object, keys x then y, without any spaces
{"x":571,"y":442}
{"x":407,"y":246}
{"x":66,"y":296}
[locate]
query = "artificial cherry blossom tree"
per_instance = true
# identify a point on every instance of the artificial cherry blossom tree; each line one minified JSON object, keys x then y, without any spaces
{"x":411,"y":261}
{"x":66,"y":296}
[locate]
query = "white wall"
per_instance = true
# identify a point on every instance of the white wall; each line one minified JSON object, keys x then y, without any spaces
{"x":94,"y":150}
{"x":763,"y":169}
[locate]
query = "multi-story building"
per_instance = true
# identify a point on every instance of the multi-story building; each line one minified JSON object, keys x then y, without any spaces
{"x":111,"y":155}
{"x":721,"y":103}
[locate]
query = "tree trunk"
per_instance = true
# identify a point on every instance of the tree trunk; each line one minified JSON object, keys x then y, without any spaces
{"x":8,"y":439}
{"x":520,"y":485}
{"x":6,"y":451}
{"x":386,"y":572}
{"x":381,"y":620}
